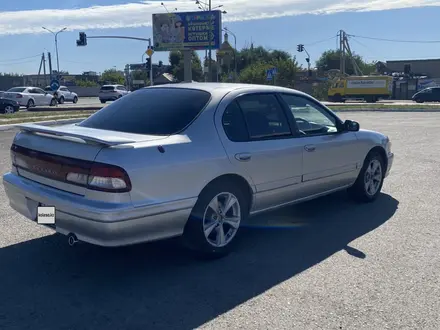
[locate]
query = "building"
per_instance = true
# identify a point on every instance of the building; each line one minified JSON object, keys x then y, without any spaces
{"x":429,"y":67}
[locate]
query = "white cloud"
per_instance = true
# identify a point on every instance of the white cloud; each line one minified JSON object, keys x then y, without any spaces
{"x":139,"y":14}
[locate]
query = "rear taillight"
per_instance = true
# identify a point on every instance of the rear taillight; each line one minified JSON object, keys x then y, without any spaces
{"x":18,"y":96}
{"x":102,"y":177}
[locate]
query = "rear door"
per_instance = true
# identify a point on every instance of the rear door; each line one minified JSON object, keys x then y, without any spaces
{"x":38,"y":96}
{"x":66,"y":93}
{"x":259,"y":140}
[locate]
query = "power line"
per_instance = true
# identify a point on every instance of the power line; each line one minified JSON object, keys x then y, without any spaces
{"x":396,"y":40}
{"x":23,"y":58}
{"x":320,"y":41}
{"x":15,"y":63}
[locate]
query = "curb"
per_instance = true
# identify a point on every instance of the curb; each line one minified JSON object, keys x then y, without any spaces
{"x":386,"y":110}
{"x":58,"y":108}
{"x":47,"y":122}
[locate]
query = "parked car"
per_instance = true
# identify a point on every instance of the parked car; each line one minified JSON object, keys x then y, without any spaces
{"x":64,"y":94}
{"x":8,"y":105}
{"x":112,"y":92}
{"x":192,"y":160}
{"x":431,"y":94}
{"x":30,"y":96}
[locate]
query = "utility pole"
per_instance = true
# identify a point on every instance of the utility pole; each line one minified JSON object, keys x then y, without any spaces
{"x":39,"y":70}
{"x":44,"y":69}
{"x":342,"y":51}
{"x":49,"y":59}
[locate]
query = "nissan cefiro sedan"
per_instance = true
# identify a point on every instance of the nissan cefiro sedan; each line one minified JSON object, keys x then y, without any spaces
{"x":194,"y":160}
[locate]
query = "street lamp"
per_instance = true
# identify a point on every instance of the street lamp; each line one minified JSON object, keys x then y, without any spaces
{"x":56,"y":45}
{"x":235,"y":50}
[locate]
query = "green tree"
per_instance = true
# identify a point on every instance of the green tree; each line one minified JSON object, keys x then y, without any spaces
{"x":256,"y":73}
{"x":140,"y":75}
{"x":113,"y":76}
{"x":177,"y":66}
{"x":85,"y":83}
{"x":330,"y":60}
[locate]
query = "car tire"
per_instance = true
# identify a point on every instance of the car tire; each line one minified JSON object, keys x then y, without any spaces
{"x":9,"y":109}
{"x":209,"y":234}
{"x":30,"y":104}
{"x":102,"y":101}
{"x":419,"y":101}
{"x":61,"y":100}
{"x":368,"y":184}
{"x":75,"y":100}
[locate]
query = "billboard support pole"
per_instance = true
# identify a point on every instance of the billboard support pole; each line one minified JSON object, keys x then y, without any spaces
{"x":151,"y":64}
{"x":187,"y":69}
{"x":209,"y":51}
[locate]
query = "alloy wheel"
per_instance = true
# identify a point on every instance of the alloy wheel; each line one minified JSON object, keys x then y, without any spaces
{"x":221,"y":219}
{"x":373,"y":177}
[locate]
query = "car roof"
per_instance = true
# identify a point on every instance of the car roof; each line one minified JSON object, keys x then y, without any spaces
{"x":226,"y":88}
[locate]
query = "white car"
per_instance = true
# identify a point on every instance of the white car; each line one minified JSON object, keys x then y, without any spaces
{"x":30,"y":97}
{"x":112,"y":92}
{"x":64,"y":94}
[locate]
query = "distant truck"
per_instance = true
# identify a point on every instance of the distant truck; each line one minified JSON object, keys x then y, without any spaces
{"x":368,"y":88}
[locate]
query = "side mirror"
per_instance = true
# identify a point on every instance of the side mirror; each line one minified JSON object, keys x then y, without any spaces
{"x":351,"y":126}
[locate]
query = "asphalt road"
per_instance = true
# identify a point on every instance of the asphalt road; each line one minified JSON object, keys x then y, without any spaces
{"x":326,"y":264}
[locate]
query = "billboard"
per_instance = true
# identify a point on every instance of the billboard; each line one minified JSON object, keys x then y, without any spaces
{"x":198,"y":30}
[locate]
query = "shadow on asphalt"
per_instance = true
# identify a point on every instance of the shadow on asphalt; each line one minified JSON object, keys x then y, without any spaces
{"x":47,"y":285}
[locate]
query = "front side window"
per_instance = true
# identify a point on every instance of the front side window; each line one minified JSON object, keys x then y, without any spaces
{"x":310,"y":118}
{"x":264,"y":116}
{"x":158,"y":111}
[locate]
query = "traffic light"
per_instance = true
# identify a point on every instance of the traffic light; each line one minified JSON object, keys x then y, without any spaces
{"x":300,"y":48}
{"x":148,"y":63}
{"x":82,"y":41}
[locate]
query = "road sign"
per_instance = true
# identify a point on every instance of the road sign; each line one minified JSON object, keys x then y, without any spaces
{"x":54,"y":84}
{"x":270,"y":73}
{"x":149,"y":52}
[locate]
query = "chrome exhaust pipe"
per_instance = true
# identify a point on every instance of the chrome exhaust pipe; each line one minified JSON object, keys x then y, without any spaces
{"x":72,"y":239}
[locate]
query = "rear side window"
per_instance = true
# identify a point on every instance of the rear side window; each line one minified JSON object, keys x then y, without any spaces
{"x":234,"y":123}
{"x":264,"y":116}
{"x":17,"y":90}
{"x":107,"y":88}
{"x":151,"y":111}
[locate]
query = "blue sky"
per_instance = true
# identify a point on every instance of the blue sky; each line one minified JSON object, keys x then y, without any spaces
{"x":22,"y":38}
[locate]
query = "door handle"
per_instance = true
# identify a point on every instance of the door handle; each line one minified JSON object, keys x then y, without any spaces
{"x":310,"y":148}
{"x":243,"y":157}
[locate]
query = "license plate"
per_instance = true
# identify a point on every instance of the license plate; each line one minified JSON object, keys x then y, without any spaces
{"x":41,"y":213}
{"x":45,"y":214}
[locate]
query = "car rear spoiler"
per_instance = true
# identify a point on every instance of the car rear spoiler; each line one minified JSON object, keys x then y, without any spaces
{"x":106,"y":140}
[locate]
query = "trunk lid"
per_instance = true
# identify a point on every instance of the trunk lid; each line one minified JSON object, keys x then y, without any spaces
{"x":48,"y":154}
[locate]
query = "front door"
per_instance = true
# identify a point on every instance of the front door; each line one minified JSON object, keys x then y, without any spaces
{"x":331,"y":159}
{"x":260,"y":142}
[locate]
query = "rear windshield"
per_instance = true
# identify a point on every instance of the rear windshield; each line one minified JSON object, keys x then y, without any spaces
{"x":48,"y":89}
{"x":17,"y":90}
{"x":107,"y":88}
{"x":155,"y":111}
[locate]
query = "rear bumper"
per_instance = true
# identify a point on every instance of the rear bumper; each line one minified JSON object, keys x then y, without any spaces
{"x":97,"y":222}
{"x":108,"y":97}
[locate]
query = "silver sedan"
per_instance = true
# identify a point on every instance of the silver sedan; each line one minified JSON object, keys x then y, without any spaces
{"x":192,"y":160}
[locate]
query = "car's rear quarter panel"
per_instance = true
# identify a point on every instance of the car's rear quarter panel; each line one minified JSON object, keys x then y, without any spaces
{"x":190,"y":161}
